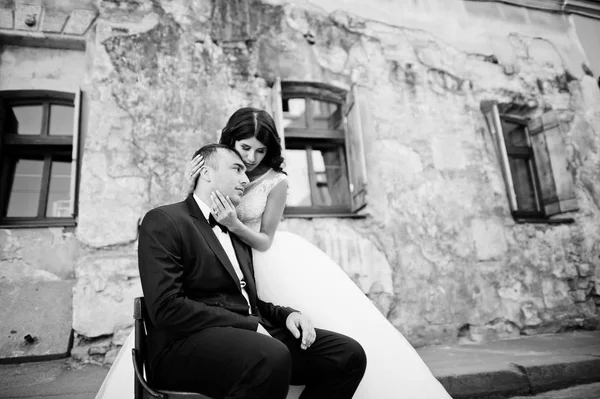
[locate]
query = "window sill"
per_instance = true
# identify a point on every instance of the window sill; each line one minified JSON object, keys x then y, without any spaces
{"x":521,"y":220}
{"x":324,"y":214}
{"x":32,"y":224}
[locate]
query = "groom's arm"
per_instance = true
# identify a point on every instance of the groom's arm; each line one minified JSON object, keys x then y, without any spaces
{"x":161,"y":274}
{"x":276,"y":315}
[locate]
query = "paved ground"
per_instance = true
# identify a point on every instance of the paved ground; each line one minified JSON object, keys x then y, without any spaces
{"x":588,"y":391}
{"x":495,"y":370}
{"x":523,"y":366}
{"x":57,"y":379}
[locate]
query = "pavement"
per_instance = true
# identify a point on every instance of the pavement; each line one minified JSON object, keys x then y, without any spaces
{"x":492,"y":370}
{"x":587,"y":391}
{"x":523,"y":366}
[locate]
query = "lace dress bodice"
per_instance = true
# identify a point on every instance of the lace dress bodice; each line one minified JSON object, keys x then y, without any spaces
{"x":254,"y":200}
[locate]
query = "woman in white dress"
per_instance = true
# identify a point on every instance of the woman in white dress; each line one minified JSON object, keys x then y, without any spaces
{"x":289,"y":270}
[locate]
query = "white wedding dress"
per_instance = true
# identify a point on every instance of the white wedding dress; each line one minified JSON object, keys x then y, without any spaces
{"x":295,"y":273}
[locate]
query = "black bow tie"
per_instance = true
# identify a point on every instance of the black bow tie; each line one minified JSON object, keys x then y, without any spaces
{"x":213,"y":222}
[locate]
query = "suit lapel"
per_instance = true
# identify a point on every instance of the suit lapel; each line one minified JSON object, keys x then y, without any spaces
{"x":210,"y":237}
{"x":243,"y":254}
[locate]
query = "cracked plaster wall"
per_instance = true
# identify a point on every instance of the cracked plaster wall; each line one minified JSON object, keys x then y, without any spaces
{"x":440,"y":254}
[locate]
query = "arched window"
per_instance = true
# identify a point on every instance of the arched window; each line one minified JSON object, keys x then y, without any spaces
{"x":38,"y":162}
{"x":324,"y":157}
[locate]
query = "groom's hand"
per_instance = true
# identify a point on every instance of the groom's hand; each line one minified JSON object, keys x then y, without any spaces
{"x":299,"y":324}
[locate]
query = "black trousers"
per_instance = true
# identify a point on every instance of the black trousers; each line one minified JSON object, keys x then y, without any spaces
{"x":226,"y":362}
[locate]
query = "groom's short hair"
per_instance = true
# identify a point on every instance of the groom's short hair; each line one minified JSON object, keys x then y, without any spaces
{"x":209,"y":154}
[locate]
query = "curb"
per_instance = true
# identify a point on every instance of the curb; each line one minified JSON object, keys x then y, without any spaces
{"x":562,"y":375}
{"x":523,"y":379}
{"x":489,"y":385}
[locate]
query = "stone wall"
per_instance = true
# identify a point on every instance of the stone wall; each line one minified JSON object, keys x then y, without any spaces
{"x":439,"y":252}
{"x":461,"y":267}
{"x":162,"y":88}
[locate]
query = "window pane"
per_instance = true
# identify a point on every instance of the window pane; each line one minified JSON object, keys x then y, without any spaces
{"x":515,"y":134}
{"x":61,"y":120}
{"x":25,"y":191}
{"x":294,"y":112}
{"x":28,"y":119}
{"x":330,"y":176}
{"x":523,"y":183}
{"x":326,"y":115}
{"x":299,"y":186}
{"x":60,"y":188}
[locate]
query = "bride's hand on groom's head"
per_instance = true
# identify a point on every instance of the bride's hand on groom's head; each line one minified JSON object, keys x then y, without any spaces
{"x":301,"y":327}
{"x":192,"y":171}
{"x":223,"y":210}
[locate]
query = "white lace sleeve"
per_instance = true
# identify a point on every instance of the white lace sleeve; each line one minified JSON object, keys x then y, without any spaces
{"x":271,"y":183}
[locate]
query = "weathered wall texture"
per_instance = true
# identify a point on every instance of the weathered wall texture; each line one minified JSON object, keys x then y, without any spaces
{"x":439,"y":254}
{"x":588,"y":32}
{"x":29,"y":68}
{"x":162,"y":88}
{"x":461,"y":266}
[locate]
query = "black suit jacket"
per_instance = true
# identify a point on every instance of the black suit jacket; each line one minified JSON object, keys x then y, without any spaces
{"x":189,"y":284}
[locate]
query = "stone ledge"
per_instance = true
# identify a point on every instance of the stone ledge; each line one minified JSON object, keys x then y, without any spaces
{"x":548,"y":376}
{"x":486,"y":385}
{"x":522,"y":366}
{"x":518,"y":379}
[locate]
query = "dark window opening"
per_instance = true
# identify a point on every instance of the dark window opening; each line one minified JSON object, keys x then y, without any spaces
{"x":36,"y":158}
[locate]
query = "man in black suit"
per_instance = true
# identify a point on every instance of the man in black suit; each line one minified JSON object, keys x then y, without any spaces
{"x":210,"y":333}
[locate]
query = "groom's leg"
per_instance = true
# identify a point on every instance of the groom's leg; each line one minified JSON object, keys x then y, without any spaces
{"x":331,"y":368}
{"x":226,"y":362}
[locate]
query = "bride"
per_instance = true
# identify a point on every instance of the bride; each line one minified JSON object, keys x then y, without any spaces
{"x":288,"y":269}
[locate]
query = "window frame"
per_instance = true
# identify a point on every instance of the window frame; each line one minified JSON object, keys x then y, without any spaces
{"x":46,"y":147}
{"x":494,"y":118}
{"x":311,"y":136}
{"x":525,"y":153}
{"x":317,"y":210}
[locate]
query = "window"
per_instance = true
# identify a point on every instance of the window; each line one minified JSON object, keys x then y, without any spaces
{"x":324,"y":156}
{"x":534,"y":162}
{"x":521,"y":163}
{"x":38,"y":148}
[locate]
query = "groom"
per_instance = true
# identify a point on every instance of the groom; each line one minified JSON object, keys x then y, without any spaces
{"x":211,"y":333}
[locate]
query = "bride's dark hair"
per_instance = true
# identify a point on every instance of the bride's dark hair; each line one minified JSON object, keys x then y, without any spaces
{"x":253,"y":122}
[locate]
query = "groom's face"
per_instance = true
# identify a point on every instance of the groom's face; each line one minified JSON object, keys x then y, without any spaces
{"x":229,"y":178}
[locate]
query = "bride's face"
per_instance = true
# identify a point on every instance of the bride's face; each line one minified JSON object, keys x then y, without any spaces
{"x":252,"y":152}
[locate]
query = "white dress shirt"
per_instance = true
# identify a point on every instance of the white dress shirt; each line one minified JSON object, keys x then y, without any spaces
{"x":225,"y":241}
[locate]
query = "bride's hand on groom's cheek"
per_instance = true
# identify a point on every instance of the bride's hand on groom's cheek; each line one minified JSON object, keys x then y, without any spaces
{"x":301,"y":327}
{"x":223,"y":210}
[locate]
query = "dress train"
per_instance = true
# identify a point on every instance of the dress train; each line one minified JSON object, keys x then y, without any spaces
{"x":296,"y":273}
